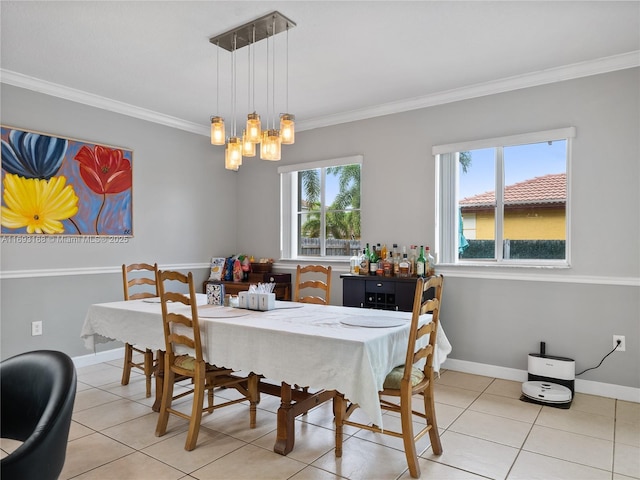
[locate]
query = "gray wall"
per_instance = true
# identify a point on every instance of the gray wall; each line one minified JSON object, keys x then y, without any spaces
{"x":183,"y":213}
{"x":498,"y":316}
{"x":492,"y":316}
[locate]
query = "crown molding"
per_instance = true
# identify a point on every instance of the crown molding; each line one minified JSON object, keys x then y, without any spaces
{"x":48,"y":88}
{"x":552,"y":75}
{"x":534,"y":79}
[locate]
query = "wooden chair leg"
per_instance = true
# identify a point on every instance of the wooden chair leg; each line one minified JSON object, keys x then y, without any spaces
{"x":406,"y":418}
{"x":167,"y":398}
{"x":126,"y":369}
{"x":339,"y":412}
{"x":196,"y":408}
{"x":252,"y":386}
{"x":148,"y":369}
{"x":210,"y":399}
{"x":430,"y":411}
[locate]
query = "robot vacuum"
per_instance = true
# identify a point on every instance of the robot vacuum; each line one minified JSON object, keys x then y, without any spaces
{"x":547,"y":393}
{"x":550,"y":381}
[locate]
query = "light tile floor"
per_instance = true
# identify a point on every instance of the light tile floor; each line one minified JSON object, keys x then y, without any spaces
{"x":486,"y":432}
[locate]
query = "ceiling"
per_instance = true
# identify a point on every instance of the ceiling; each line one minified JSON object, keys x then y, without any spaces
{"x":347,"y":60}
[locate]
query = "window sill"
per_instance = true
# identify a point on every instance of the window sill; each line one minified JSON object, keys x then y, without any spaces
{"x":338,"y":264}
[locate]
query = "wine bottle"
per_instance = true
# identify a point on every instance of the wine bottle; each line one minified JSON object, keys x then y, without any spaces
{"x":421,"y":263}
{"x":373,"y":261}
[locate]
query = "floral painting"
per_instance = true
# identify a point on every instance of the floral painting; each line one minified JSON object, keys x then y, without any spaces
{"x":58,"y":186}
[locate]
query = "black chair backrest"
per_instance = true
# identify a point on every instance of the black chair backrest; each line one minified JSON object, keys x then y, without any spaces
{"x":38,"y":391}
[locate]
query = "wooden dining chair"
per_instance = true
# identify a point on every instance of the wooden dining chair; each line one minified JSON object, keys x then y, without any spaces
{"x":407,"y":380}
{"x":311,"y":282}
{"x":182,"y":331}
{"x":140,"y":284}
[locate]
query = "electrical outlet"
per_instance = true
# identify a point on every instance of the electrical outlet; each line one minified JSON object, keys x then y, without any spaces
{"x":623,"y":346}
{"x":36,"y":328}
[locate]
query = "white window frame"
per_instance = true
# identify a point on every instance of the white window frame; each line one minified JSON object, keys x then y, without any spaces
{"x":447,"y":229}
{"x":288,"y":208}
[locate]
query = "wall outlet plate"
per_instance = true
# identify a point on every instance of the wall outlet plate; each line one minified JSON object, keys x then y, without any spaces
{"x":36,"y":328}
{"x":623,"y":346}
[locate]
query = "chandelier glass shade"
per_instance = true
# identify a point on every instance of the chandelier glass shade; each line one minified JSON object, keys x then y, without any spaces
{"x":233,"y":154}
{"x":248,"y":147}
{"x":217,"y":131}
{"x":270,"y":147}
{"x":268,"y":136}
{"x":254,"y":128}
{"x":287,"y":128}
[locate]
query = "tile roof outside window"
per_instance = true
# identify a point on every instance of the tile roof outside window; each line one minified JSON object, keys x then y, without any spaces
{"x":551,"y":188}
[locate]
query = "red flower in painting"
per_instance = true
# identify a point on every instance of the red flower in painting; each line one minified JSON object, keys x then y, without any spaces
{"x":104,"y":170}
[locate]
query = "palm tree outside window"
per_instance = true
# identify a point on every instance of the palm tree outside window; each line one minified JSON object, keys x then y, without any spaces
{"x":321,"y":208}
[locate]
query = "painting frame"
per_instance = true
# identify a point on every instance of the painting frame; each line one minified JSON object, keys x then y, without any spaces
{"x":62,"y":186}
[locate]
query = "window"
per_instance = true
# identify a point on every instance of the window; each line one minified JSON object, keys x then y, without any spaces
{"x":321,"y":208}
{"x":505,"y":200}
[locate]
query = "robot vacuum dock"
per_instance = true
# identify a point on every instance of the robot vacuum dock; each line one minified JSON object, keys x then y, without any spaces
{"x":550,"y":380}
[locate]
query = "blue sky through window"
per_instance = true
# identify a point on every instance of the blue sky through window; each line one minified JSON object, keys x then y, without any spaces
{"x":521,"y":162}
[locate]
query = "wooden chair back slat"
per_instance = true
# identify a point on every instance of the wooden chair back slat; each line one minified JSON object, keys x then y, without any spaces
{"x":150,"y":279}
{"x":306,"y":286}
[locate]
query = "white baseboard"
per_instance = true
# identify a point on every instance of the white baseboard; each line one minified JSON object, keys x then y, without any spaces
{"x":589,"y":387}
{"x":619,"y":392}
{"x":99,"y":357}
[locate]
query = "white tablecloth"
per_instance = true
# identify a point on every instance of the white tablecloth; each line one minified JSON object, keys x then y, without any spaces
{"x":304,"y":345}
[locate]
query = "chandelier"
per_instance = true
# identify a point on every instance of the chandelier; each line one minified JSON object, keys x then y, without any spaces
{"x":267,"y":138}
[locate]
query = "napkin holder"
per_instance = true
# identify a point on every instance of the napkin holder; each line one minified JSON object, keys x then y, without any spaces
{"x":252,"y":301}
{"x":257,"y":301}
{"x":266,"y":301}
{"x":243,"y":299}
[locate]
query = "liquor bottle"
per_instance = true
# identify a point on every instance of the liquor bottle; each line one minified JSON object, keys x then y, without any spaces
{"x":387,"y":265}
{"x":383,"y":252}
{"x":354,"y":263}
{"x":432,"y":263}
{"x":412,"y":261}
{"x":364,"y":261}
{"x":421,"y":263}
{"x":396,"y":260}
{"x":373,"y":261}
{"x":404,"y":266}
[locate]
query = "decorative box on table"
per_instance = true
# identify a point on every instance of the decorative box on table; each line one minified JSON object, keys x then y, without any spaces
{"x":215,"y":293}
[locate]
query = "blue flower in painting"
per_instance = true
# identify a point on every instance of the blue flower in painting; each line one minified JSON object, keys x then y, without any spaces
{"x":31,"y":155}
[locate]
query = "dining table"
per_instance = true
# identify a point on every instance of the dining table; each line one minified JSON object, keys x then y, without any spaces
{"x":325,"y":348}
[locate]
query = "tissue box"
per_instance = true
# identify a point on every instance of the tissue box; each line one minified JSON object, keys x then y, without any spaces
{"x":266,"y":301}
{"x":215,"y":293}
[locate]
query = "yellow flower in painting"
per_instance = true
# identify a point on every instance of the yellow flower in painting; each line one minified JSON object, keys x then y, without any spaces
{"x":37,"y":204}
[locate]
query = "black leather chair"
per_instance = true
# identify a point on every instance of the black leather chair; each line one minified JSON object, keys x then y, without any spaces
{"x":38,"y":391}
